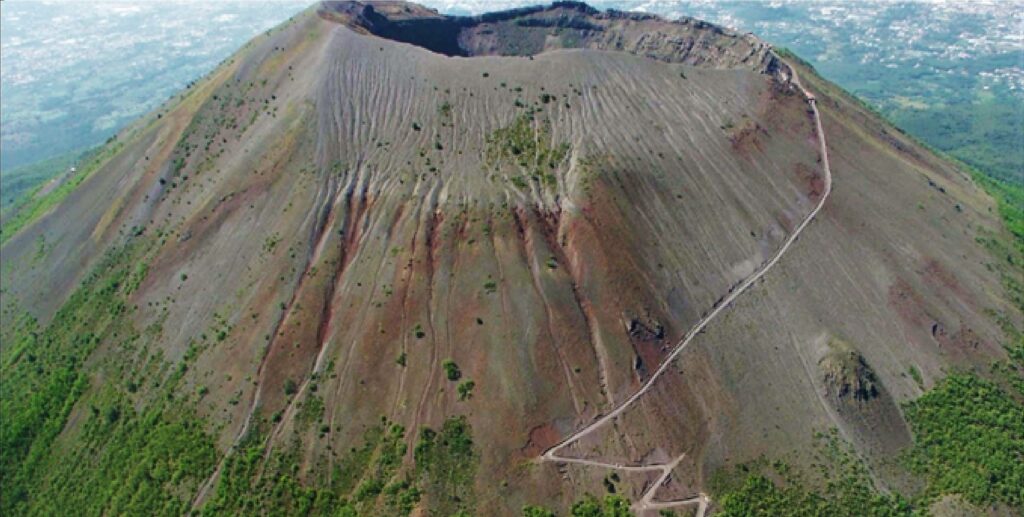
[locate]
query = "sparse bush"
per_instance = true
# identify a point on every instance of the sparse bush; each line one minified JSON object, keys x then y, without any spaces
{"x":368,"y":489}
{"x":465,"y":389}
{"x":290,"y":388}
{"x":610,"y":506}
{"x":537,"y":511}
{"x":451,"y":370}
{"x":525,"y":145}
{"x":916,"y":375}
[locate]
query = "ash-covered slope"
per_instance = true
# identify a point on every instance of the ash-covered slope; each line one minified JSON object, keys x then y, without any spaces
{"x":342,"y":237}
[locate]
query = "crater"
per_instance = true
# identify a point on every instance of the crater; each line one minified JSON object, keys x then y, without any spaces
{"x":530,"y":31}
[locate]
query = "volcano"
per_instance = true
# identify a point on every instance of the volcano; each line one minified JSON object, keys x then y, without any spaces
{"x":387,"y":261}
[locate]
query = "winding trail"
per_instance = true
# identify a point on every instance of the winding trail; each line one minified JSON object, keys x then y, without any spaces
{"x":647,"y":501}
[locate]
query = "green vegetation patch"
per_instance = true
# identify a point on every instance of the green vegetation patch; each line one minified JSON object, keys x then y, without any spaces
{"x":589,"y":506}
{"x":111,"y":458}
{"x":981,"y":130}
{"x":969,"y":440}
{"x":129,"y":463}
{"x":277,"y":492}
{"x":310,"y":410}
{"x":446,"y":466}
{"x":610,"y":506}
{"x":465,"y":389}
{"x":769,"y":489}
{"x":34,"y":205}
{"x":18,"y":181}
{"x":366,"y":480}
{"x":1008,"y":253}
{"x":525,"y":146}
{"x":451,"y":370}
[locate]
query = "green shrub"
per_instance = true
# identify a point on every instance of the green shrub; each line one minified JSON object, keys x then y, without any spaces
{"x":290,"y":388}
{"x":610,"y":506}
{"x":465,"y":389}
{"x":537,"y":511}
{"x":451,"y":370}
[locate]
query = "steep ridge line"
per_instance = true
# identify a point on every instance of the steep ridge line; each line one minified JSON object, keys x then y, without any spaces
{"x":647,"y":501}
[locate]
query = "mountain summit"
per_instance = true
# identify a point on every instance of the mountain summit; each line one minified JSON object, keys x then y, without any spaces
{"x":382,"y":261}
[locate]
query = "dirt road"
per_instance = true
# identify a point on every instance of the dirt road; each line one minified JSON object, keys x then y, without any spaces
{"x":647,"y":502}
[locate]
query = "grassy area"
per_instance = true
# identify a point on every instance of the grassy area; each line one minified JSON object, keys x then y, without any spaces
{"x":43,"y":381}
{"x":446,"y":467}
{"x":977,"y":126}
{"x":525,"y":146}
{"x":983,"y":132}
{"x":843,"y":487}
{"x":241,"y":490}
{"x":129,"y":463}
{"x":1008,"y":263}
{"x":1010,"y":197}
{"x":34,"y":205}
{"x":589,"y":506}
{"x":366,"y":480}
{"x":126,"y":451}
{"x":18,"y":181}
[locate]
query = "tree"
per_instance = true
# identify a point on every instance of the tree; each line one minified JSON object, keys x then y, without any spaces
{"x":451,"y":370}
{"x":290,"y":388}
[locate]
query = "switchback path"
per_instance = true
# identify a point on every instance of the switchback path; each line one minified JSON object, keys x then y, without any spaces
{"x":647,"y":501}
